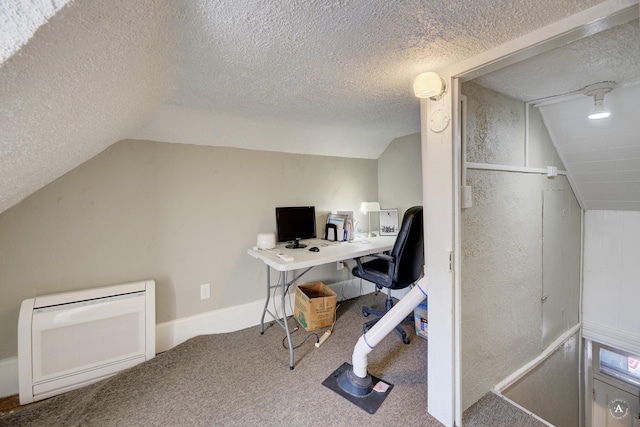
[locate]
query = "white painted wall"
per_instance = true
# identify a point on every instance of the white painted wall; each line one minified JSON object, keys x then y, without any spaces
{"x":180,"y":214}
{"x":400,"y":174}
{"x":180,"y":124}
{"x":612,"y":278}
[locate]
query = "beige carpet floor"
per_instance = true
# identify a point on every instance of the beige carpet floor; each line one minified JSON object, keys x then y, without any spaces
{"x":243,"y":379}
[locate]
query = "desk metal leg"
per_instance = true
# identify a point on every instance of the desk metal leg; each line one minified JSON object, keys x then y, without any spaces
{"x":284,"y":285}
{"x":283,"y":279}
{"x":266,"y":304}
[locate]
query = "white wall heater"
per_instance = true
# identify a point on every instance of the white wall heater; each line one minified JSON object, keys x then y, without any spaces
{"x":72,"y":339}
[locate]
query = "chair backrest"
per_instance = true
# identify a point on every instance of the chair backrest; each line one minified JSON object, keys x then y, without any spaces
{"x":409,"y":249}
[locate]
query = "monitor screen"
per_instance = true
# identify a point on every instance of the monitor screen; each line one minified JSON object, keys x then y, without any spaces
{"x":295,"y":223}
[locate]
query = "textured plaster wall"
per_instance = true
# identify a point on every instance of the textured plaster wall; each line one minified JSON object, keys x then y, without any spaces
{"x":20,"y":19}
{"x":86,"y":79}
{"x":502,"y":247}
{"x":501,"y":279}
{"x":180,"y":214}
{"x":495,"y":128}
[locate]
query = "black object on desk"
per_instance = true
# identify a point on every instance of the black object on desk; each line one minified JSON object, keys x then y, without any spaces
{"x":331,"y":232}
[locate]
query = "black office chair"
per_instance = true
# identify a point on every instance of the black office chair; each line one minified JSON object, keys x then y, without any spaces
{"x":397,"y":269}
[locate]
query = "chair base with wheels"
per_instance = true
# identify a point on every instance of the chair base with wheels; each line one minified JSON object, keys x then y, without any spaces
{"x":366,"y":311}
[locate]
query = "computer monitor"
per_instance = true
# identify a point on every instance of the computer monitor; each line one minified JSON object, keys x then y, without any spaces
{"x":295,"y":223}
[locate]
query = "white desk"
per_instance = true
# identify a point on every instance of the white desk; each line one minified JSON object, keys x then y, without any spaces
{"x":305,"y":260}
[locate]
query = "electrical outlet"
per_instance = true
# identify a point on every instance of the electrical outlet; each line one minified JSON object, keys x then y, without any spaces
{"x":339,"y":265}
{"x":205,"y":291}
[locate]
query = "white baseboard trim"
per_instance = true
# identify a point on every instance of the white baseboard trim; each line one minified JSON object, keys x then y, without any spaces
{"x":523,"y":409}
{"x":8,"y":376}
{"x":229,"y":319}
{"x":174,"y":332}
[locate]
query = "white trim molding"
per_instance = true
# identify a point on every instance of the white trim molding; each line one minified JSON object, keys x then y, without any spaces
{"x":8,"y":376}
{"x":611,"y":337}
{"x":230,"y":319}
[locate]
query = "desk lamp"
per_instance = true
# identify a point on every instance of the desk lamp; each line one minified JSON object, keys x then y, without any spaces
{"x":367,"y":208}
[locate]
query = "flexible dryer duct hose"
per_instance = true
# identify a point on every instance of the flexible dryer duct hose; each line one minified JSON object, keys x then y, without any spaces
{"x":386,"y":324}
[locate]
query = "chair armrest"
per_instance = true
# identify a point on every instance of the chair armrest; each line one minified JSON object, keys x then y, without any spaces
{"x":385,"y":256}
{"x":359,"y":265}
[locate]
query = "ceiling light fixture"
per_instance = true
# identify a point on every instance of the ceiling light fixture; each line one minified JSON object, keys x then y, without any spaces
{"x":598,"y":91}
{"x":429,"y":85}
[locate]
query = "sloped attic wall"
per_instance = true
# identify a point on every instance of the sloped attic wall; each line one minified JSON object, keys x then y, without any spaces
{"x":180,"y":214}
{"x":85,"y":80}
{"x":20,"y":20}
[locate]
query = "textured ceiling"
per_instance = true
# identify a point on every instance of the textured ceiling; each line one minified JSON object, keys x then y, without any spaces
{"x":611,"y":55}
{"x":78,"y":77}
{"x":85,"y":79}
{"x":19,"y":20}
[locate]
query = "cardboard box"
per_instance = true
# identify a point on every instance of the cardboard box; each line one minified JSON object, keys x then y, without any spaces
{"x":315,"y":305}
{"x":421,"y":319}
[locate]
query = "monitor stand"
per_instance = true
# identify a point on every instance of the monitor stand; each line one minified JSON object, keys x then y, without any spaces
{"x":295,"y":245}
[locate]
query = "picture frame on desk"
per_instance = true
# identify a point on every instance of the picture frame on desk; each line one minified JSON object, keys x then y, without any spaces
{"x":389,"y":222}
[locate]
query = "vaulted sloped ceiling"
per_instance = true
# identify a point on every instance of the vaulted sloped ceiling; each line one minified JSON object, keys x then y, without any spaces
{"x":91,"y":74}
{"x":324,"y":77}
{"x":20,"y":20}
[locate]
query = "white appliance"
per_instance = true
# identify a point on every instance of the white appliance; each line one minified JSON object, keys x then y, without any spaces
{"x":266,"y":241}
{"x":72,"y":339}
